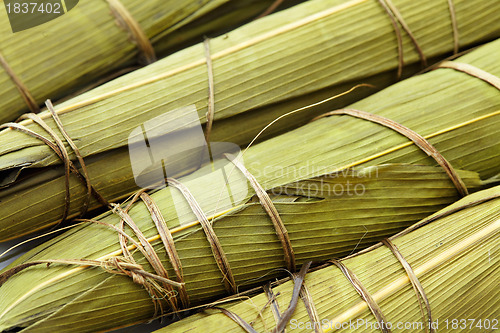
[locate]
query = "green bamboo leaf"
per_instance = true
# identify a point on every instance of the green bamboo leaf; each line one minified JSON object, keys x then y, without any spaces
{"x":325,"y":224}
{"x":455,"y":258}
{"x":321,"y":224}
{"x":86,"y":46}
{"x":252,"y":70}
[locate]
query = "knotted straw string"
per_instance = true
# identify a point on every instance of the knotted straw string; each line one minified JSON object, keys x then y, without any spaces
{"x":168,"y":243}
{"x":149,"y":253}
{"x":127,"y":265}
{"x":79,"y":156}
{"x":165,"y":236}
{"x":23,"y":90}
{"x":454,"y":25}
{"x":419,"y":140}
{"x":361,"y":290}
{"x":113,"y":265}
{"x":217,"y":251}
{"x":395,"y":17}
{"x":415,"y":282}
{"x":472,"y":71}
{"x":59,"y":148}
{"x":271,"y":210}
{"x":117,"y":265}
{"x":127,"y":22}
{"x":158,"y":285}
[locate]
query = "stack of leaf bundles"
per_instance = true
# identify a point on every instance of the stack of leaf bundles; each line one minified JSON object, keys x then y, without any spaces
{"x":218,"y":246}
{"x":96,"y":40}
{"x":453,"y":254}
{"x":260,"y":71}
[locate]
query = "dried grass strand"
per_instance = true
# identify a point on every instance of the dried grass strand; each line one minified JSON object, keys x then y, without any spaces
{"x":114,"y":265}
{"x":237,"y":319}
{"x":472,"y":71}
{"x":416,"y":138}
{"x":270,"y":9}
{"x":298,"y":280}
{"x":275,"y":309}
{"x":365,"y":295}
{"x":148,"y":252}
{"x":399,"y":38}
{"x":415,"y":282}
{"x":271,"y":211}
{"x":23,"y":90}
{"x":454,"y":26}
{"x":126,"y":21}
{"x":312,"y":312}
{"x":217,"y":251}
{"x":79,"y":156}
{"x":60,"y":149}
{"x":395,"y":12}
{"x":168,"y":243}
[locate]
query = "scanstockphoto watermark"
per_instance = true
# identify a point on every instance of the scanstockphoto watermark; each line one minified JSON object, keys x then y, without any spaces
{"x":345,"y":182}
{"x":358,"y":324}
{"x":172,"y":145}
{"x":458,"y":324}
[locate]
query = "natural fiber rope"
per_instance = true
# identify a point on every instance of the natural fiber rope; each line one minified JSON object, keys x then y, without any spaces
{"x":23,"y":90}
{"x":472,"y":71}
{"x":158,"y":285}
{"x":126,"y":21}
{"x":59,"y":148}
{"x":361,"y":290}
{"x":165,"y":236}
{"x":271,"y":297}
{"x":168,"y":243}
{"x":415,"y":282}
{"x":270,"y":9}
{"x":217,"y":251}
{"x":271,"y":210}
{"x":399,"y":38}
{"x":395,"y":15}
{"x":306,"y":297}
{"x":237,"y":319}
{"x":122,"y":265}
{"x":406,"y":28}
{"x":148,"y":252}
{"x":284,"y":318}
{"x":211,"y":91}
{"x":298,"y":280}
{"x":454,"y":26}
{"x":419,"y":140}
{"x":79,"y":156}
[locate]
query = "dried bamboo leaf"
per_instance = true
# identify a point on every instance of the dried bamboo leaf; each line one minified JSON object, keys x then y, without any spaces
{"x":321,"y":223}
{"x":87,"y":44}
{"x":262,"y":52}
{"x":455,"y":259}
